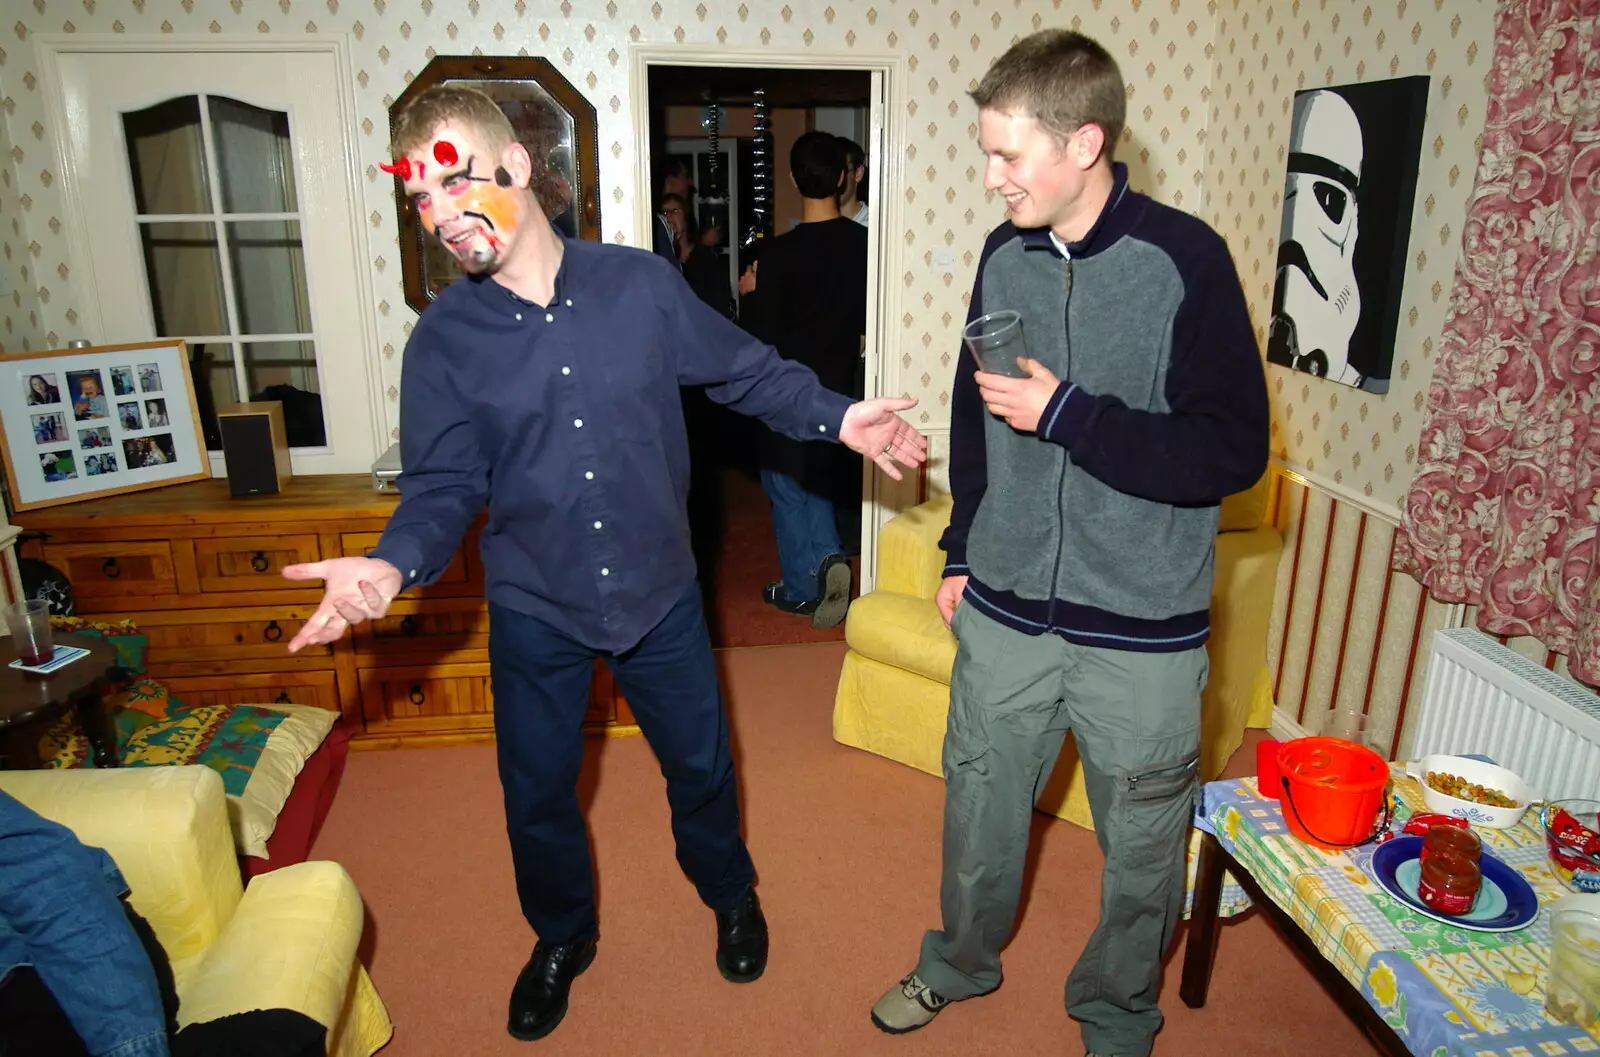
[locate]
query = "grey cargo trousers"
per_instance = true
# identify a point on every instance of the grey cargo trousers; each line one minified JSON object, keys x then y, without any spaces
{"x":1136,"y":720}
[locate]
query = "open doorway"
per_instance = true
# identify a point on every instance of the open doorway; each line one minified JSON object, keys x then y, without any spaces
{"x":720,"y":140}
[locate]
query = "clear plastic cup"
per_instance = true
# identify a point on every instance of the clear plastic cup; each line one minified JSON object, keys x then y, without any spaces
{"x":1572,"y":987}
{"x":29,"y":624}
{"x":995,"y":341}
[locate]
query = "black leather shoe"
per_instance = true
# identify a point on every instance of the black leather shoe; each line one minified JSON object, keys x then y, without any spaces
{"x":742,"y":940}
{"x":539,"y":999}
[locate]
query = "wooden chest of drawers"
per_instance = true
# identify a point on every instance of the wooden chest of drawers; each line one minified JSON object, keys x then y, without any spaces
{"x":200,"y":572}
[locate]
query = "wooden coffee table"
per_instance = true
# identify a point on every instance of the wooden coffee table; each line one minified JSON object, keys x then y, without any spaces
{"x":29,"y":702}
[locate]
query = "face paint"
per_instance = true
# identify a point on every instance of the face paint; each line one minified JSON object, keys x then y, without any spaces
{"x":475,"y":217}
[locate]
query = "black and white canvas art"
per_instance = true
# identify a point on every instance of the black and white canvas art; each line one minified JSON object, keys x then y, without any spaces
{"x":1347,"y":200}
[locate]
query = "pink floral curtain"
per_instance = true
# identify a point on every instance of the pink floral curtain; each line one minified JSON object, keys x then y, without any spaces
{"x":1503,"y":510}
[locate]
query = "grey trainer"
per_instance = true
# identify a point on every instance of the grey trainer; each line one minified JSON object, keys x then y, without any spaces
{"x":907,"y":1006}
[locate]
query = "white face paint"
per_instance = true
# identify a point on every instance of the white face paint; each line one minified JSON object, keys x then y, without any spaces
{"x":1316,"y":262}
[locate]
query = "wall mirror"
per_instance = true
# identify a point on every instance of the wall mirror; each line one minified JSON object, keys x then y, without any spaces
{"x":552,"y":119}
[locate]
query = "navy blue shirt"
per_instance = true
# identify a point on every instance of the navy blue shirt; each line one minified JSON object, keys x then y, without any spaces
{"x":566,"y":419}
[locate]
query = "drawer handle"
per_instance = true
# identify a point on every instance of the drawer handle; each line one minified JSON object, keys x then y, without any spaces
{"x":282,"y":698}
{"x":416,"y":695}
{"x":260,"y":562}
{"x":110,"y":569}
{"x":408,"y":625}
{"x":272,"y":632}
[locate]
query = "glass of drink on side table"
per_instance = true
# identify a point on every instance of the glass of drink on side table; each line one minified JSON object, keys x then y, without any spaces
{"x":29,"y":623}
{"x":1572,"y":987}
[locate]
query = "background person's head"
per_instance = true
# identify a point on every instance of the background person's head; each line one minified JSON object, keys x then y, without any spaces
{"x":1050,"y":112}
{"x":855,"y":171}
{"x":465,"y":172}
{"x":676,"y":178}
{"x":816,"y":163}
{"x":675,"y":209}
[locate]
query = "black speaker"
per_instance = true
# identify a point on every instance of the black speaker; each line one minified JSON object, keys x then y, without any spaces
{"x":254,"y":447}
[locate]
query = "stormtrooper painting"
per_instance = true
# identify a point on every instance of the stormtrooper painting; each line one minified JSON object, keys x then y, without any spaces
{"x":1352,"y":174}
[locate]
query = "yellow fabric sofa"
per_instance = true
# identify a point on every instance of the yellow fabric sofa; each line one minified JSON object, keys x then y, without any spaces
{"x":894,"y":689}
{"x":286,"y":942}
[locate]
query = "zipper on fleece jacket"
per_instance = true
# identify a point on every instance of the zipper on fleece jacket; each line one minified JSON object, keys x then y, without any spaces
{"x":1061,"y":479}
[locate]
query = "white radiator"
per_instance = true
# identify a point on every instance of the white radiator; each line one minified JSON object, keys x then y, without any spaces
{"x":1481,"y":697}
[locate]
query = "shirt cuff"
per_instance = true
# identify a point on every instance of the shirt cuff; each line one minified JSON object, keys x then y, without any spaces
{"x":827,"y":415}
{"x":404,"y":557}
{"x":1066,"y":415}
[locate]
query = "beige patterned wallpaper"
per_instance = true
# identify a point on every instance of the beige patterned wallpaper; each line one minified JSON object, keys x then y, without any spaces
{"x":1210,"y":86}
{"x":1353,"y":442}
{"x":1164,"y":46}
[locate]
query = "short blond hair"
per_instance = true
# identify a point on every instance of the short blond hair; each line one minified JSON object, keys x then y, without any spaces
{"x":453,"y":104}
{"x":1064,"y":80}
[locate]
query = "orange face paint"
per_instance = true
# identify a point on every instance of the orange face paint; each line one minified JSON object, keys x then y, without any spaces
{"x":472,"y":211}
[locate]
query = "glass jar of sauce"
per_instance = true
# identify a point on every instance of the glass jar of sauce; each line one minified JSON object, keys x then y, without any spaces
{"x":1449,"y":882}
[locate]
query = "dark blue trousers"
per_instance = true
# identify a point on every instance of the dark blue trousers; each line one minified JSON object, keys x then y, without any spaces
{"x":541,"y":680}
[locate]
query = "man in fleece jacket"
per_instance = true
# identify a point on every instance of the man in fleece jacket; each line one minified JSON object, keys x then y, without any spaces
{"x":1081,"y":544}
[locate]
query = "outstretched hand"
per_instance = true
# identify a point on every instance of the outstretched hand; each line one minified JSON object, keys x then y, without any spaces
{"x":358,"y":589}
{"x":875,"y":429}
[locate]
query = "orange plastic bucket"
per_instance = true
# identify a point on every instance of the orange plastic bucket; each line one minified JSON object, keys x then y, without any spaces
{"x":1333,"y":791}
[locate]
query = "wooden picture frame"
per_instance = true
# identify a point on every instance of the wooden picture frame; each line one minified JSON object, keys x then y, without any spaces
{"x":76,"y":424}
{"x":553,"y":121}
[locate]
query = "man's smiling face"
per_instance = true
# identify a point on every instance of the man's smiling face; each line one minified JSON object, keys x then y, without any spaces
{"x":469,"y":194}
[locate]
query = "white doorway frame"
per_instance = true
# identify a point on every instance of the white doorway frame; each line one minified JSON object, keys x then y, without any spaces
{"x":885,"y":256}
{"x":49,"y":47}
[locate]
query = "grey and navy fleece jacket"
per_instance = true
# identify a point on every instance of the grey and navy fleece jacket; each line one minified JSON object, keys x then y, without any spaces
{"x":1101,"y":525}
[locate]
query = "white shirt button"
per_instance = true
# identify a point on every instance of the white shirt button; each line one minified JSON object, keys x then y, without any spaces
{"x":605,"y":572}
{"x":569,"y":302}
{"x":548,"y":318}
{"x":578,"y":422}
{"x":413,"y":572}
{"x":519,"y":317}
{"x":822,"y":429}
{"x":566,"y":370}
{"x":588,"y":475}
{"x":597,"y":524}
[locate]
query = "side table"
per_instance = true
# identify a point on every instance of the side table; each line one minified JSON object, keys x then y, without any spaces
{"x":28,"y":702}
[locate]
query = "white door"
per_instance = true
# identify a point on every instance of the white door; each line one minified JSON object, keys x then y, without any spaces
{"x":213,"y":191}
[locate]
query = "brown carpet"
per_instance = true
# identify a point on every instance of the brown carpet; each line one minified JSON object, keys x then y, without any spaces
{"x":847,"y":845}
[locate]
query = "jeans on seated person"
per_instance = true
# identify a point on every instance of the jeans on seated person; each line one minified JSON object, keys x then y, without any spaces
{"x":60,"y":914}
{"x":806,"y":531}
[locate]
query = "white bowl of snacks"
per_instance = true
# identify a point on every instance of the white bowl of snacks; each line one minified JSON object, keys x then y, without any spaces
{"x":1484,"y":794}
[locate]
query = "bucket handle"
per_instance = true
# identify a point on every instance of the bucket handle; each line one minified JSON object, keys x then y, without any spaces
{"x":1388,"y":814}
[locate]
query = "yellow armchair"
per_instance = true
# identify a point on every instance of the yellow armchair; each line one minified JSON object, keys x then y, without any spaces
{"x":894,"y":689}
{"x":286,"y":942}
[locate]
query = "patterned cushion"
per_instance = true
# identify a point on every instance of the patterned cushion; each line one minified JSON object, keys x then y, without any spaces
{"x":257,"y":749}
{"x":123,"y":636}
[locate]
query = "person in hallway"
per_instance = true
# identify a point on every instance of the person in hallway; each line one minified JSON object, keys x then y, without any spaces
{"x":1081,"y":543}
{"x":852,"y":194}
{"x":545,"y":384}
{"x":703,"y":268}
{"x":808,"y":297}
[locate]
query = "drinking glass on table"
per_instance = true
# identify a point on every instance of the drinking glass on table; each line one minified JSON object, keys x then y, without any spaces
{"x":995,"y":340}
{"x":29,"y":623}
{"x":1351,"y":724}
{"x":1572,"y":986}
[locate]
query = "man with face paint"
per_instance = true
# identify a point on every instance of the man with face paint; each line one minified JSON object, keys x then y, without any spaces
{"x":545,"y":383}
{"x":1082,"y":539}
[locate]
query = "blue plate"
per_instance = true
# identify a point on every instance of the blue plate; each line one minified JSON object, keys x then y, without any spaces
{"x":1506,"y":902}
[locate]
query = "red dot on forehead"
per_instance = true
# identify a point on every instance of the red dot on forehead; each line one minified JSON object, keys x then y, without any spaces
{"x":445,"y":153}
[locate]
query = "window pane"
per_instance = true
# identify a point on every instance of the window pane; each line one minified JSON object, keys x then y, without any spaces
{"x":184,"y":268}
{"x":269,"y":278}
{"x":167,"y":157}
{"x":256,"y":166}
{"x":287,"y":371}
{"x":216,"y":385}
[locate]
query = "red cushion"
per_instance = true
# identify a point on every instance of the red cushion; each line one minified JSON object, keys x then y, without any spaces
{"x":309,"y":802}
